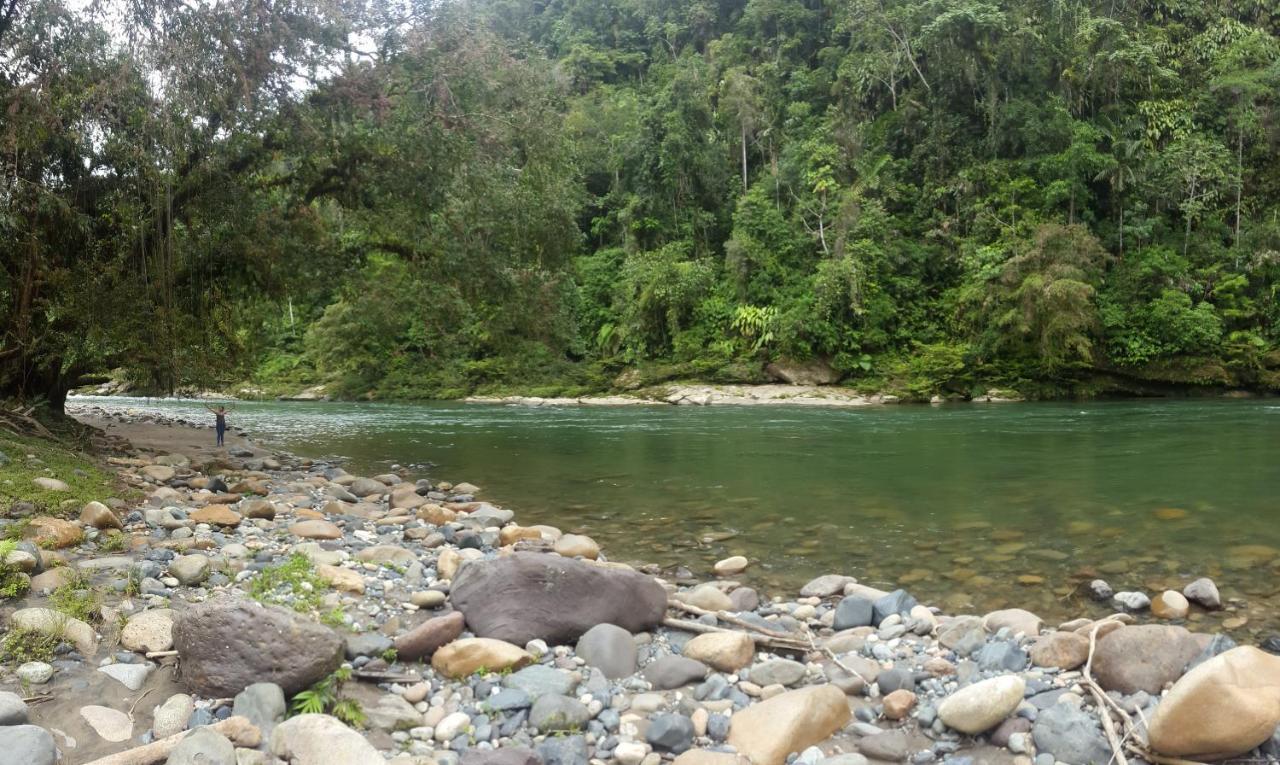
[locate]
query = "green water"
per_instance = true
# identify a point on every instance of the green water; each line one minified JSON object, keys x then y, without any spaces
{"x":954,"y":502}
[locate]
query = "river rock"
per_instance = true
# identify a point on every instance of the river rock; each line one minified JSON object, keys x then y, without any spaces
{"x":172,"y":716}
{"x":51,"y":484}
{"x":1063,"y":650}
{"x":1170,"y":605}
{"x":110,"y":724}
{"x":392,"y":713}
{"x":789,"y":722}
{"x":217,"y":515}
{"x":1132,"y":601}
{"x":528,"y":596}
{"x":34,"y":672}
{"x":463,"y":657}
{"x":203,"y":746}
{"x":609,"y":648}
{"x":886,"y":746}
{"x":670,"y":672}
{"x":853,"y":611}
{"x":708,"y":757}
{"x":225,"y":645}
{"x":1070,"y":735}
{"x":263,"y":704}
{"x":1016,"y":620}
{"x":1204,"y":593}
{"x":159,"y":473}
{"x":321,"y":740}
{"x":725,"y":651}
{"x":50,"y":622}
{"x":342,"y":579}
{"x":28,"y":744}
{"x":383,"y":554}
{"x":190,"y":569}
{"x":423,"y":641}
{"x":963,"y":634}
{"x":670,"y":733}
{"x":898,"y":704}
{"x":540,"y":680}
{"x":731,"y":566}
{"x":99,"y":516}
{"x":551,"y":712}
{"x":1142,"y":658}
{"x":983,"y":705}
{"x":366,"y":487}
{"x":258,"y":508}
{"x":1221,"y":709}
{"x":131,"y":676}
{"x":577,"y":546}
{"x":54,"y":533}
{"x":707,"y":597}
{"x":778,"y":672}
{"x":563,"y":750}
{"x":897,"y":602}
{"x":825,"y":586}
{"x":507,"y":755}
{"x":13,"y":710}
{"x":315,"y":529}
{"x":150,"y":630}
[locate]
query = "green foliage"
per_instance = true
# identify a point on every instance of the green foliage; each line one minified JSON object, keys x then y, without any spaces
{"x":20,"y":646}
{"x":516,"y":195}
{"x":77,"y":598}
{"x":31,"y":458}
{"x":325,"y":697}
{"x":292,"y":583}
{"x":13,"y":583}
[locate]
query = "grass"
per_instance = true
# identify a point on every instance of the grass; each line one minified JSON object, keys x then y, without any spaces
{"x":292,"y":583}
{"x":77,"y":598}
{"x":13,"y":583}
{"x":112,"y":542}
{"x":21,"y":646}
{"x":56,"y":459}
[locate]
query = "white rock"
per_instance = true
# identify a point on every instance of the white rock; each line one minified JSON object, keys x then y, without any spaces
{"x":630,"y":752}
{"x":110,"y":724}
{"x":171,"y":717}
{"x":35,"y":672}
{"x":983,"y":705}
{"x":452,"y":726}
{"x":131,"y":676}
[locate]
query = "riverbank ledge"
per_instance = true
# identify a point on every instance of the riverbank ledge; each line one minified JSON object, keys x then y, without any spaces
{"x":245,"y":606}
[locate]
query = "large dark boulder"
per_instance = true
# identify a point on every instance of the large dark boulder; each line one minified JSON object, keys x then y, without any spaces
{"x":524,"y":596}
{"x":225,"y":645}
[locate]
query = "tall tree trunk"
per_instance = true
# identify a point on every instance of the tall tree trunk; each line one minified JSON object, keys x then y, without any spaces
{"x":1239,"y":181}
{"x":744,"y":156}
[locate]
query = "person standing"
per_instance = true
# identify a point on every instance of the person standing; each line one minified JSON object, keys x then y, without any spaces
{"x":220,"y":421}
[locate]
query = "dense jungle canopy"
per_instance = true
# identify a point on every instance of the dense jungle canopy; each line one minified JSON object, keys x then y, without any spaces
{"x":426,"y":199}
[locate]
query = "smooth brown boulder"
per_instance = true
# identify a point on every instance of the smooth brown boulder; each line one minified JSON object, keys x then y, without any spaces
{"x":1143,"y":658}
{"x":1223,"y":708}
{"x":258,"y":508}
{"x":789,"y":722}
{"x":226,"y":644}
{"x":725,"y":651}
{"x":1064,"y":650}
{"x":53,"y":532}
{"x":99,"y":516}
{"x":1170,"y":605}
{"x":425,"y":639}
{"x":315,"y":530}
{"x":216,"y":515}
{"x":464,"y":657}
{"x":526,"y":596}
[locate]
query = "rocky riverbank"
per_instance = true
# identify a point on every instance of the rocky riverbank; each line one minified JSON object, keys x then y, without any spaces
{"x":247,"y":607}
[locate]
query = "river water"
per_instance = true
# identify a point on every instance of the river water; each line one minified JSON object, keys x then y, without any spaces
{"x":971,"y":507}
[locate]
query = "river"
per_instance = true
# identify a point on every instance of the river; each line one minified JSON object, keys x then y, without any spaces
{"x":971,"y":507}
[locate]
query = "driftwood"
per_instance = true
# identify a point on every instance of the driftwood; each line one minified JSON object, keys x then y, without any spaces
{"x":238,"y":729}
{"x":385,"y":677}
{"x":781,"y":644}
{"x":729,"y":618}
